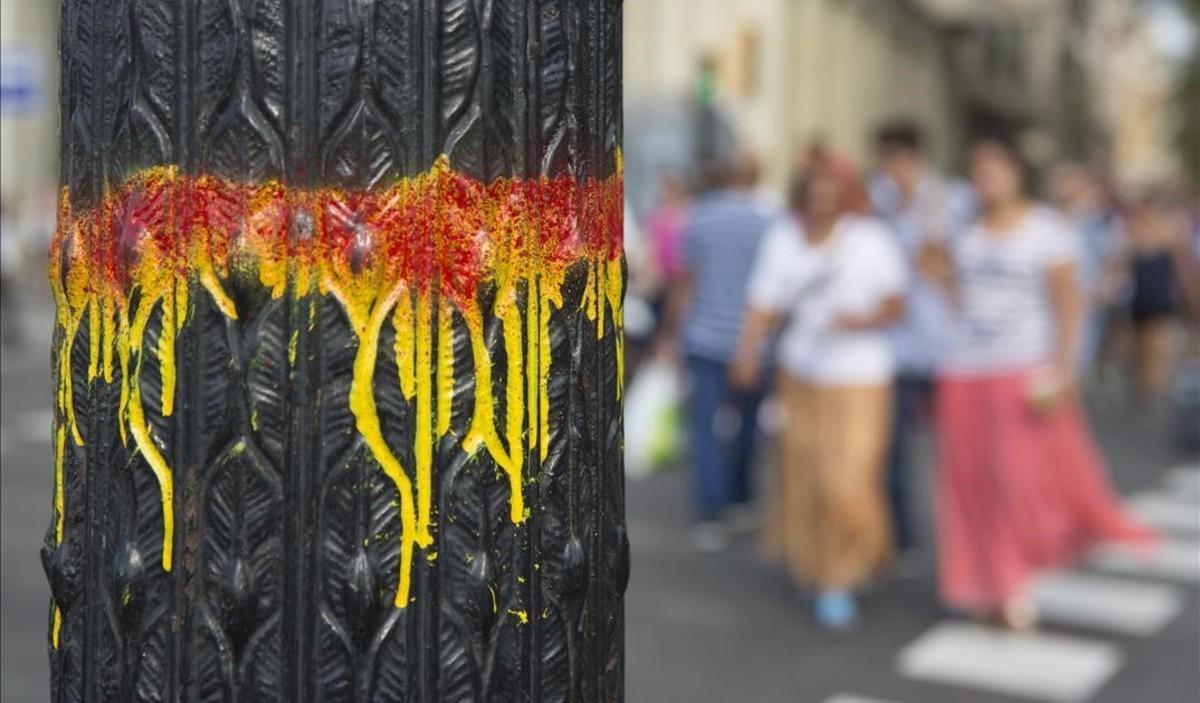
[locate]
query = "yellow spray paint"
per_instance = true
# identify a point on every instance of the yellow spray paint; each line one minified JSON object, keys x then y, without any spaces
{"x":60,"y":511}
{"x":514,"y":399}
{"x":366,"y":319}
{"x":139,"y":427}
{"x":532,"y":358}
{"x":445,"y":370}
{"x":423,"y":439}
{"x":528,"y":275}
{"x":109,"y":336}
{"x":402,"y":322}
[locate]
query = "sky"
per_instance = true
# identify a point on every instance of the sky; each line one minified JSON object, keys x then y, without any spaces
{"x":1171,"y":30}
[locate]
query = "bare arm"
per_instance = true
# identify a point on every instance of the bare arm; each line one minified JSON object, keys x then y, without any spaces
{"x":1188,"y":268}
{"x":678,"y":294}
{"x":933,"y":263}
{"x":888,"y":312}
{"x":747,"y":359}
{"x":1065,"y":297}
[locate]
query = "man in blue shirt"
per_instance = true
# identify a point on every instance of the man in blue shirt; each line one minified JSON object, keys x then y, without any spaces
{"x":920,"y":207}
{"x":725,"y":225}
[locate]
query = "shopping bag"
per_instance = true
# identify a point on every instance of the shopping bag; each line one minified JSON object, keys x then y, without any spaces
{"x":652,"y":418}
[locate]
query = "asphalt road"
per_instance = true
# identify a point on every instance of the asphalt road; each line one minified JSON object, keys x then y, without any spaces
{"x":730,"y":629}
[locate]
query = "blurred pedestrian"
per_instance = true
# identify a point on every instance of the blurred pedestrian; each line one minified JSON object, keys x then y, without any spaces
{"x":10,"y":273}
{"x":837,"y":277}
{"x":1079,"y":199}
{"x":664,"y":228}
{"x":1020,"y":485}
{"x":1155,"y":256}
{"x":639,"y":316}
{"x":724,"y":227}
{"x":919,"y":205}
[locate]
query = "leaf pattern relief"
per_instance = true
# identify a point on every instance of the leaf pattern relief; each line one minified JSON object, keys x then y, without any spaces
{"x":459,"y":61}
{"x":265,"y":202}
{"x":240,"y":67}
{"x":365,"y":50}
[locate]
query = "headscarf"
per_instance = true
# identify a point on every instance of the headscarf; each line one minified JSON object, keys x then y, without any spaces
{"x":823,"y":161}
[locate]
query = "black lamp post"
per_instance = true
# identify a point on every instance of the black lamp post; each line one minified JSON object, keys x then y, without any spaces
{"x":338,"y":352}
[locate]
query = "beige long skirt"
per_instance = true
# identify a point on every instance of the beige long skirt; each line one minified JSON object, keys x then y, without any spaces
{"x":827,"y":517}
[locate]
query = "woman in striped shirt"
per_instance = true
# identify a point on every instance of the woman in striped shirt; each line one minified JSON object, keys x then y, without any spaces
{"x":1020,"y":485}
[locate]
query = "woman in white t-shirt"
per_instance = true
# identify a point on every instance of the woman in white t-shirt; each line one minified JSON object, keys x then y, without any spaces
{"x":836,"y":276}
{"x":1020,"y":485}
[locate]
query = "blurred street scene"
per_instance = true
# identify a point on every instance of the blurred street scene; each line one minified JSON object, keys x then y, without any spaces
{"x":728,"y":627}
{"x":914,"y":304}
{"x":913,"y":407}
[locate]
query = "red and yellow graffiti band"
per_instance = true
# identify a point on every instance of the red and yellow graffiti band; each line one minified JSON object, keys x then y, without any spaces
{"x":410,"y":255}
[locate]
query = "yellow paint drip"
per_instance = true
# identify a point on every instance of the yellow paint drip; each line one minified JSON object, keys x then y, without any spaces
{"x":591,"y":304}
{"x":614,"y":289}
{"x":445,"y":370}
{"x":123,"y":354}
{"x":212,"y":284}
{"x":402,"y":321}
{"x":94,"y":339}
{"x":514,"y":399}
{"x":483,"y":422}
{"x":140,"y":429}
{"x":55,"y":627}
{"x":603,"y":295}
{"x":166,"y":356}
{"x":292,"y":342}
{"x":550,"y":295}
{"x":423,"y":441}
{"x":367,"y":323}
{"x":60,"y":449}
{"x":109,"y":336}
{"x":70,"y":316}
{"x":515,"y":258}
{"x":67,"y":392}
{"x":532,"y":359}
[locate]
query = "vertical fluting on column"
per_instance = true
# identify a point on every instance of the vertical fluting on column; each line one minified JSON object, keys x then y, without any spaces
{"x":338,"y":352}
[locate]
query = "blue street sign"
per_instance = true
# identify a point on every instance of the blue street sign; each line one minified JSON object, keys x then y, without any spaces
{"x":22,"y":90}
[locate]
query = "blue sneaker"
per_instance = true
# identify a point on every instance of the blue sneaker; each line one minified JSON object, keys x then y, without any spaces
{"x":835,"y":610}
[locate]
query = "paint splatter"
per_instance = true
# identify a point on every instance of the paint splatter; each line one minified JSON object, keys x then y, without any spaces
{"x":413,"y":255}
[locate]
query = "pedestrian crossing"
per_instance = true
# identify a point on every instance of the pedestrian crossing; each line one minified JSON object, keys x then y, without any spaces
{"x":1116,"y":594}
{"x":35,"y":426}
{"x":1167,"y":512}
{"x":1107,"y":604}
{"x":1175,"y":559}
{"x":1184,"y":481}
{"x":1045,"y":666}
{"x":28,"y":428}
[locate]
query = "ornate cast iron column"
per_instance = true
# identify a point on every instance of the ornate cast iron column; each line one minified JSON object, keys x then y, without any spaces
{"x":338,"y":352}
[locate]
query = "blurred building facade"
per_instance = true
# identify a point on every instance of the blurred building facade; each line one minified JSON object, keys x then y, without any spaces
{"x":29,"y":114}
{"x":1133,"y":85}
{"x":790,"y":71}
{"x":1077,"y":78}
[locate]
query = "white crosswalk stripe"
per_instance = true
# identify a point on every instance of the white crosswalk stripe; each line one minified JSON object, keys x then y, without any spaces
{"x":1166,"y":511}
{"x":1184,"y":481}
{"x":1038,"y":666}
{"x":35,"y":426}
{"x":1173,"y":559}
{"x":1122,"y":593}
{"x":1105,"y":604}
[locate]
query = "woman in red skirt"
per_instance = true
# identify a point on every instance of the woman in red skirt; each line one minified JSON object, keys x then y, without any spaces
{"x":1020,"y":485}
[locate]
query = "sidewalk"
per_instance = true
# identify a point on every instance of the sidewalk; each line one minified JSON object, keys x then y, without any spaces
{"x":731,"y":628}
